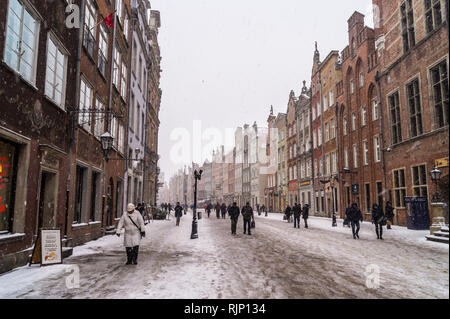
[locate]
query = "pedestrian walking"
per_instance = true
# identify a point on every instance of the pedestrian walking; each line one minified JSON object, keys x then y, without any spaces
{"x":355,"y":216}
{"x":378,"y":219}
{"x":208,"y":209}
{"x":178,"y":213}
{"x":288,"y":213}
{"x":223,"y":210}
{"x":234,"y":216}
{"x":389,"y":214}
{"x":305,"y":214}
{"x":218,"y":210}
{"x":297,"y":214}
{"x":247,"y":214}
{"x":133,"y":223}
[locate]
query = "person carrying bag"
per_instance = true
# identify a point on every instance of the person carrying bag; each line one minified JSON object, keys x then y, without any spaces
{"x":134,"y":226}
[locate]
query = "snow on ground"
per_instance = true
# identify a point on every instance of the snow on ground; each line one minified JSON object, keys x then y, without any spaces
{"x":278,"y":261}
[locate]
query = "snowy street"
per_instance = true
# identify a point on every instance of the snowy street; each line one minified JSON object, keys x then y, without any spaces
{"x":278,"y":261}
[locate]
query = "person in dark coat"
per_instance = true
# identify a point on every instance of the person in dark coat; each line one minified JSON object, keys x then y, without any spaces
{"x":264,"y":210}
{"x":218,"y":210}
{"x":305,"y":214}
{"x":208,"y":209}
{"x":247,"y":213}
{"x":223,"y":210}
{"x":234,"y":216}
{"x":378,"y":220}
{"x":178,"y":213}
{"x":288,"y":213}
{"x":389,"y":214}
{"x":297,"y":214}
{"x":355,"y":216}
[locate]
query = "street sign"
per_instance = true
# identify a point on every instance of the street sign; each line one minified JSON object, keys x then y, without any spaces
{"x":443,"y":162}
{"x":48,"y":248}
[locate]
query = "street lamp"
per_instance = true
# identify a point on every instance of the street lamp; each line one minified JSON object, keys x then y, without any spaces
{"x":197,"y":177}
{"x":107,"y":143}
{"x":435,"y":177}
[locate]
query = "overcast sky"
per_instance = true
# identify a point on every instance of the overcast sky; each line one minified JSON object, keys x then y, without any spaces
{"x":225,"y":62}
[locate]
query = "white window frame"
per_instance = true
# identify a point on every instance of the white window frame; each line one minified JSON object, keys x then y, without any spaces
{"x":377,"y":149}
{"x":51,"y":87}
{"x":355,"y":156}
{"x":18,"y":52}
{"x":366,"y":152}
{"x":84,"y":119}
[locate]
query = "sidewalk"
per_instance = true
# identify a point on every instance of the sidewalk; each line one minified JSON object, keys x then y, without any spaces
{"x":397,"y":233}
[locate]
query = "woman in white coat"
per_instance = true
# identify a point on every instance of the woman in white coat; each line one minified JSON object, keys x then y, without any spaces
{"x":134,"y":226}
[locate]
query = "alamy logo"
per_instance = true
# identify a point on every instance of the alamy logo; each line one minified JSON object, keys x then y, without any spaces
{"x":372,"y":276}
{"x":73,"y":16}
{"x":73,"y":280}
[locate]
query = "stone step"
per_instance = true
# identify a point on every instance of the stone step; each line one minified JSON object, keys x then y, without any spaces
{"x":444,"y":229}
{"x":438,"y":239}
{"x":441,"y":234}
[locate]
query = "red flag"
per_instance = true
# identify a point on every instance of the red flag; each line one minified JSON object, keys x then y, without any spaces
{"x":109,"y":20}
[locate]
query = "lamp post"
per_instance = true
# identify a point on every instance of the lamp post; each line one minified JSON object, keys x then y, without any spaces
{"x":197,"y":177}
{"x":107,"y":142}
{"x":435,"y":177}
{"x":437,"y":207}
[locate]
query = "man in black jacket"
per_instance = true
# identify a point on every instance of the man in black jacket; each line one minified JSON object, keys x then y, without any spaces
{"x":355,"y":216}
{"x":297,"y":214}
{"x":305,"y":214}
{"x":234,"y":215}
{"x":178,"y":213}
{"x":247,"y":213}
{"x":223,"y":210}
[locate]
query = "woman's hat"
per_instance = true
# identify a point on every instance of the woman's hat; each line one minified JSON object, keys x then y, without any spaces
{"x":130,"y":208}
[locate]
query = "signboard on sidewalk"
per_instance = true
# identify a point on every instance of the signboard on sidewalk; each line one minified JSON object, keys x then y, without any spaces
{"x":48,"y":248}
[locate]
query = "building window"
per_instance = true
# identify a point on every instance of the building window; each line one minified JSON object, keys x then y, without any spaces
{"x":355,"y":156}
{"x":321,"y":167}
{"x":363,"y":116}
{"x":331,"y":98}
{"x":399,"y":188}
{"x":319,"y":138}
{"x":80,"y":195}
{"x":55,"y":78}
{"x":346,"y":158}
{"x":99,"y":125}
{"x":368,"y":198}
{"x":396,"y":129}
{"x":433,"y":15}
{"x":327,"y":132}
{"x":89,"y":28}
{"x":353,"y":121}
{"x":119,"y":9}
{"x":344,"y":126}
{"x":120,"y":139}
{"x":439,"y":78}
{"x":8,"y":175}
{"x":95,"y":197}
{"x":138,"y":126}
{"x":21,"y":40}
{"x":375,"y":109}
{"x":408,"y":35}
{"x":377,"y":148}
{"x":84,"y":118}
{"x":415,"y":114}
{"x":380,"y":193}
{"x":103,"y":50}
{"x":352,"y":87}
{"x":116,"y":69}
{"x":325,"y":102}
{"x":419,"y":176}
{"x":334,"y":162}
{"x":113,"y":129}
{"x":123,"y":84}
{"x":366,"y":153}
{"x":328,"y":165}
{"x":361,"y":80}
{"x":125,"y":28}
{"x":332,"y":129}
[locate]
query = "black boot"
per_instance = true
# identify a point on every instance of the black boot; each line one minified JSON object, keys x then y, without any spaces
{"x":129,"y":255}
{"x":135,"y":254}
{"x":378,"y":233}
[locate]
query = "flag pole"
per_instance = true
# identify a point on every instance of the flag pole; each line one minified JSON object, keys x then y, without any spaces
{"x":102,"y":20}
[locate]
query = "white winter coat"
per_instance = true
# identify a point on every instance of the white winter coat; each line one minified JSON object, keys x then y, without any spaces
{"x":132,"y":233}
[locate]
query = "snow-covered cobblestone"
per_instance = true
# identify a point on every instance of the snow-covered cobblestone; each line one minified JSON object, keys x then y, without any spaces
{"x":278,"y":261}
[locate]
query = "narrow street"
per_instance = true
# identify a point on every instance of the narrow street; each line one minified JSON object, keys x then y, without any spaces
{"x":278,"y":261}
